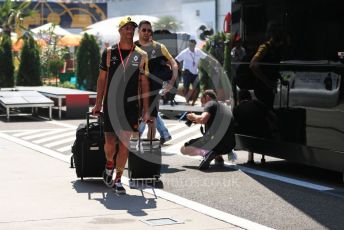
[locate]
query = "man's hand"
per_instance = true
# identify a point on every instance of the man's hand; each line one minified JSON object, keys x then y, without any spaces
{"x":168,"y":88}
{"x":146,"y":118}
{"x":96,"y":110}
{"x":191,"y":117}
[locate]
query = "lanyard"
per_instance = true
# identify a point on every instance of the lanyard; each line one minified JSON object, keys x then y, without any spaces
{"x":120,"y":55}
{"x":193,"y":58}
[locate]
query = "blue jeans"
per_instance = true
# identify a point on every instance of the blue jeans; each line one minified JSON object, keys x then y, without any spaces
{"x":160,"y":126}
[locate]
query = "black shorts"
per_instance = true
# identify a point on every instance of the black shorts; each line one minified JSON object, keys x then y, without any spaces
{"x":189,"y":79}
{"x":129,"y":122}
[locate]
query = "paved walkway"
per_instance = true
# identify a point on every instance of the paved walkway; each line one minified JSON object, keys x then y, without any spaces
{"x":41,"y":192}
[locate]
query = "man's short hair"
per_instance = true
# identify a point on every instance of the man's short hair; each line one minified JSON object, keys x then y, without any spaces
{"x":144,"y":22}
{"x":211,"y":93}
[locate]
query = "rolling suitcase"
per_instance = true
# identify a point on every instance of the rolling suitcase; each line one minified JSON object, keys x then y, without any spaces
{"x":88,"y":149}
{"x":291,"y":121}
{"x":144,"y":161}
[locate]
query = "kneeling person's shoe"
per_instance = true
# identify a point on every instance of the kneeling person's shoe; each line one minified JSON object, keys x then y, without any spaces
{"x":107,"y":177}
{"x":219,"y":161}
{"x":119,"y":189}
{"x":207,"y":159}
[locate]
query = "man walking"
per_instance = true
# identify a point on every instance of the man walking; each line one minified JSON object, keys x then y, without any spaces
{"x":158,"y":57}
{"x":123,"y":72}
{"x":190,"y":58}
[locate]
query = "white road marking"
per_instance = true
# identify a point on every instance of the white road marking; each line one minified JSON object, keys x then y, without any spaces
{"x":49,"y":152}
{"x":63,"y":124}
{"x":284,"y":179}
{"x":65,"y":140}
{"x":63,"y":135}
{"x":21,"y":134}
{"x":42,"y":134}
{"x":65,"y":148}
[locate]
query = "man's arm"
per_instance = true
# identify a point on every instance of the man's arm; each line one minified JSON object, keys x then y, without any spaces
{"x":144,"y":72}
{"x":173,"y":65}
{"x":100,"y":91}
{"x":256,"y":69}
{"x":199,"y":119}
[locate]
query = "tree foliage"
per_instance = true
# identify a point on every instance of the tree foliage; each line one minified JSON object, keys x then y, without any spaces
{"x":218,"y":46}
{"x":29,"y":73}
{"x":6,"y":63}
{"x":12,"y":14}
{"x":169,"y":23}
{"x":52,"y":56}
{"x":88,"y":58}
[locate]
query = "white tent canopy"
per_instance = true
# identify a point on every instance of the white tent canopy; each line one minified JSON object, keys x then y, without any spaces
{"x":107,"y":30}
{"x":58,"y":30}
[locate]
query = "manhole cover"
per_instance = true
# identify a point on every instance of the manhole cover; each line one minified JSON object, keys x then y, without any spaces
{"x":160,"y":221}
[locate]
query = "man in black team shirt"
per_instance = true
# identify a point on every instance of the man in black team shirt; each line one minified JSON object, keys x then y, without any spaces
{"x":119,"y":86}
{"x":158,"y":58}
{"x":218,"y":138}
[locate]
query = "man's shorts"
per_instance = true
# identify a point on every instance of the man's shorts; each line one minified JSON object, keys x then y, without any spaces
{"x":128,"y":123}
{"x":188,"y":79}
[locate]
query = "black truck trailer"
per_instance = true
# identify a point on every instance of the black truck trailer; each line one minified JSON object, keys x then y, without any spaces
{"x":312,"y":62}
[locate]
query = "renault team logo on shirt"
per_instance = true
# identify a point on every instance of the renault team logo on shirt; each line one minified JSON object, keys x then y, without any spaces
{"x":114,"y":59}
{"x":153,"y":55}
{"x":135,"y":61}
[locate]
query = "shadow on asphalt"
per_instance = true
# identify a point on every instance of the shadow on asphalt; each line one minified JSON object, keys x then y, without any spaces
{"x":212,"y":168}
{"x":134,"y":204}
{"x":300,"y":171}
{"x":166,"y":169}
{"x":319,"y":206}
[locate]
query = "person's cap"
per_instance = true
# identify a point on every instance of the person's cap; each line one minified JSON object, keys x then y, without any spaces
{"x":192,"y":38}
{"x":126,"y":20}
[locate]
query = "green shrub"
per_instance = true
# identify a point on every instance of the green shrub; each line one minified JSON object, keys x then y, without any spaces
{"x":88,"y":58}
{"x":6,"y":63}
{"x":30,"y":66}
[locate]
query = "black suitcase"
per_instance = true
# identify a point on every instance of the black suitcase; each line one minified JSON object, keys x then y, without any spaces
{"x":291,"y":121}
{"x":88,"y":149}
{"x":144,"y":161}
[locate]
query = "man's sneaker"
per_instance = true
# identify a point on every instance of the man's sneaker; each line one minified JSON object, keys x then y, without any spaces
{"x":107,"y":177}
{"x":207,"y":159}
{"x":163,"y":140}
{"x":119,"y":189}
{"x":219,"y":161}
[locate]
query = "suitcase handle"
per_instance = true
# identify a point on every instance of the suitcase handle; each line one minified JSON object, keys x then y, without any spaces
{"x":100,"y":119}
{"x":287,"y":83}
{"x":151,"y":139}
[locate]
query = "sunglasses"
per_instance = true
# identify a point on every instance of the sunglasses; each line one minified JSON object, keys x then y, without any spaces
{"x":146,"y":30}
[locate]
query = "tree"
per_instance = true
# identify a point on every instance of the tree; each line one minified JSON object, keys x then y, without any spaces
{"x":88,"y":57}
{"x":12,"y":14}
{"x":217,"y":45}
{"x":30,"y":66}
{"x":6,"y":63}
{"x":169,"y":23}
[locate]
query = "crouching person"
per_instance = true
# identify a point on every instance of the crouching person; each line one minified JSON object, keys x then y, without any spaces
{"x":218,"y":137}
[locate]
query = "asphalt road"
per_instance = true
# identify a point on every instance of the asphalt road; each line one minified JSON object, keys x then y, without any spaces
{"x":232,"y":189}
